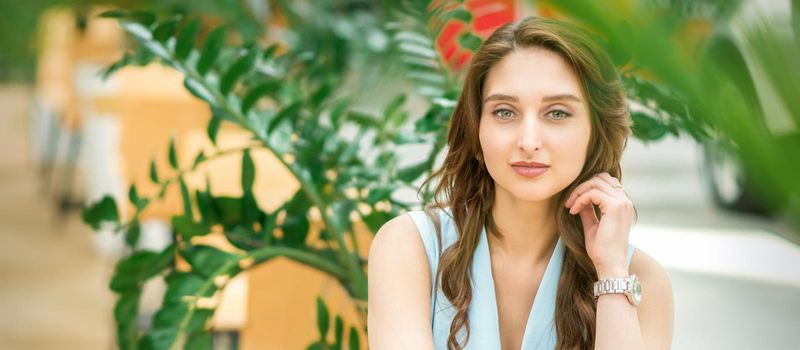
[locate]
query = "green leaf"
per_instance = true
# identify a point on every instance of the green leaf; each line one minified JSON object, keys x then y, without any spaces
{"x":268,"y":223}
{"x":133,"y":196}
{"x":295,"y":229}
{"x":132,"y":271}
{"x":199,"y":159}
{"x":115,"y":14}
{"x":146,"y":18}
{"x":469,"y":41}
{"x":323,"y":319}
{"x":243,"y":237}
{"x":187,"y":200}
{"x":126,"y":60}
{"x":376,"y":219}
{"x":173,"y":155}
{"x":338,"y":333}
{"x":394,"y":107}
{"x":197,"y":89}
{"x":188,"y":228}
{"x":206,"y":260}
{"x":199,"y":320}
{"x":460,"y":14}
{"x":104,"y":210}
{"x":213,"y":128}
{"x":258,"y":92}
{"x":647,"y":128}
{"x":211,"y":49}
{"x":378,"y":194}
{"x":290,"y":110}
{"x":321,"y":94}
{"x":206,"y":205}
{"x":269,"y":52}
{"x":153,"y":171}
{"x":406,"y":137}
{"x":165,"y":29}
{"x":411,"y":173}
{"x":181,"y":284}
{"x":295,"y":226}
{"x":355,"y":342}
{"x":202,"y":340}
{"x":229,"y":211}
{"x":132,"y":234}
{"x":363,"y":119}
{"x":338,"y":110}
{"x":126,"y":316}
{"x":186,"y":40}
{"x":248,"y":172}
{"x":236,"y":70}
{"x":159,"y":338}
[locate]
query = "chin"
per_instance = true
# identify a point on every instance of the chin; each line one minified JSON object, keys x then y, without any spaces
{"x":532,"y":192}
{"x":534,"y":196}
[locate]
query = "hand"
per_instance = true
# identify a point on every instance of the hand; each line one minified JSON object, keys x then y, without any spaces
{"x":606,"y":238}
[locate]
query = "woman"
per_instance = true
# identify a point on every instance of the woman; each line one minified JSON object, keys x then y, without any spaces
{"x":509,"y":254}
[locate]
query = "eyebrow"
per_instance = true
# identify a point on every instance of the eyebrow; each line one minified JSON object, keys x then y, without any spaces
{"x":559,"y":97}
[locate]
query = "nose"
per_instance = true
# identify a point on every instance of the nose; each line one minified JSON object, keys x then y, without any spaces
{"x":529,"y":138}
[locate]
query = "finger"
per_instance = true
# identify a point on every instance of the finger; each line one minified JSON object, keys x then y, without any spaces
{"x":612,"y":181}
{"x":592,"y":196}
{"x":588,"y":216}
{"x":593,"y":183}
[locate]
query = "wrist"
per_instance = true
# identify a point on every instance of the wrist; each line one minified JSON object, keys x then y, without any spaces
{"x":612,"y":271}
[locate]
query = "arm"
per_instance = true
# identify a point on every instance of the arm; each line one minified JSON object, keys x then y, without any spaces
{"x":620,"y":325}
{"x":399,"y":288}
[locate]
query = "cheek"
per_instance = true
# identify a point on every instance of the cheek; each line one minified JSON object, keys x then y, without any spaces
{"x":493,"y":143}
{"x":571,"y":150}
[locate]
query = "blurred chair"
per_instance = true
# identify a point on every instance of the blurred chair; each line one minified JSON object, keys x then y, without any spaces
{"x":69,"y":57}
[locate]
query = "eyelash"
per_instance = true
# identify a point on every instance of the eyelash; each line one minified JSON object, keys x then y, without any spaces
{"x":566,"y":114}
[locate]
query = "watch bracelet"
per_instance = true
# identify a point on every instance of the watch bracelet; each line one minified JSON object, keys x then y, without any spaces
{"x":611,"y":286}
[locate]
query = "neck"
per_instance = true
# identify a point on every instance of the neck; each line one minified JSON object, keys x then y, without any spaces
{"x":527,"y":229}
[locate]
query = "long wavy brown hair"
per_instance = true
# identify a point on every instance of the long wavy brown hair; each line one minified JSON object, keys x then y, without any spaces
{"x":464,"y":184}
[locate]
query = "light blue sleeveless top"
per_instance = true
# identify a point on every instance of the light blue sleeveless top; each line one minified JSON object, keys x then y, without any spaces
{"x":540,"y":331}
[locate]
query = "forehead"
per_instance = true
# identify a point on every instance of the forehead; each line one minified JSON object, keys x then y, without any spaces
{"x":531,"y":73}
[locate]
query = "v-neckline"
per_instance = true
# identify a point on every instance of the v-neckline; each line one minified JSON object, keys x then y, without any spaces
{"x":544,"y":297}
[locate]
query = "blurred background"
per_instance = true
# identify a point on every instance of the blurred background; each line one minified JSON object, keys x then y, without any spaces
{"x":114,"y":129}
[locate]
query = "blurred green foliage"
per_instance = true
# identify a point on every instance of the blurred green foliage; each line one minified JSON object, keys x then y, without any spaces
{"x":20,"y":22}
{"x":289,"y":97}
{"x":707,"y":89}
{"x":298,"y":99}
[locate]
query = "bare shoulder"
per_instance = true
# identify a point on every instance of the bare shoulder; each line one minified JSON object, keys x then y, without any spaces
{"x":657,"y":310}
{"x":397,"y":249}
{"x":399,"y":288}
{"x":399,"y":238}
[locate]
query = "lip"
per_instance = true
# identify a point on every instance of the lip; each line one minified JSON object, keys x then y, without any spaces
{"x":530,"y":164}
{"x":529,"y":169}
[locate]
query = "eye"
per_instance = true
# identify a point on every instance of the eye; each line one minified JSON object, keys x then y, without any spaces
{"x":503,"y":113}
{"x":559,"y":114}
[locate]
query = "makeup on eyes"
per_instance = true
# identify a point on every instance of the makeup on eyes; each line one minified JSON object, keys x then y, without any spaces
{"x":562,"y":111}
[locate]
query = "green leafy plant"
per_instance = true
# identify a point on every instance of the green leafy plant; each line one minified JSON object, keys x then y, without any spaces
{"x":323,"y":325}
{"x":342,"y":181}
{"x":290,"y":99}
{"x":697,"y":89}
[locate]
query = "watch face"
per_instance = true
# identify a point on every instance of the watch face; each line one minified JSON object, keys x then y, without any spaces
{"x":636,"y":292}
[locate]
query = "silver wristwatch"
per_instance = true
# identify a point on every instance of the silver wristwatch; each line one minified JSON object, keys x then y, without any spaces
{"x":629,"y":286}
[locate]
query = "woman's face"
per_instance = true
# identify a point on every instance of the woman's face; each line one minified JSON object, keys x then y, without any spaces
{"x":533,"y":111}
